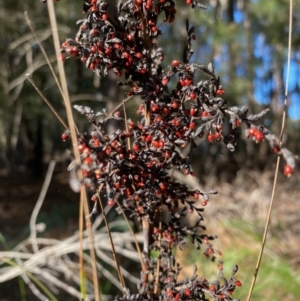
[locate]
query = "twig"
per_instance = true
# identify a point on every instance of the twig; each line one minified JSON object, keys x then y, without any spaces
{"x":32,"y":287}
{"x":60,"y":284}
{"x":43,"y":51}
{"x":105,"y":272}
{"x":46,"y":101}
{"x":37,"y":63}
{"x":111,"y":243}
{"x":85,"y":96}
{"x":119,"y":105}
{"x":46,"y":33}
{"x":50,"y":67}
{"x":38,"y":206}
{"x":60,"y":248}
{"x":126,"y":125}
{"x":134,"y":237}
{"x":13,"y":97}
{"x":32,"y":278}
{"x":112,"y":263}
{"x":16,"y":126}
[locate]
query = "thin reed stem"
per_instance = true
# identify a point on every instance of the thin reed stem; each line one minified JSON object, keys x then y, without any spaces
{"x":278,"y":158}
{"x":73,"y":133}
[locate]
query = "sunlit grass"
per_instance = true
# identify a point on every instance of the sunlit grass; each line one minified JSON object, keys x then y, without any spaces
{"x":276,"y":279}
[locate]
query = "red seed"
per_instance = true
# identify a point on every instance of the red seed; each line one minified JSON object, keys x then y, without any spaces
{"x":64,"y":136}
{"x":238,"y":283}
{"x":110,"y":202}
{"x":205,"y":114}
{"x":238,"y":123}
{"x":210,"y":138}
{"x":259,"y":136}
{"x":219,"y":128}
{"x":154,"y":29}
{"x":162,"y":185}
{"x":175,"y":105}
{"x":192,"y":111}
{"x":220,"y":92}
{"x":187,"y":82}
{"x":136,"y":147}
{"x":251,"y":132}
{"x":192,"y":95}
{"x":204,"y":203}
{"x":155,"y":230}
{"x":164,"y":81}
{"x":161,"y":143}
{"x":288,"y":170}
{"x":81,"y":146}
{"x":187,"y":292}
{"x":155,"y":144}
{"x":192,"y":125}
{"x":138,"y":55}
{"x":182,"y":83}
{"x":92,"y":66}
{"x":175,"y":63}
{"x":86,"y":150}
{"x":104,"y":16}
{"x":217,"y":136}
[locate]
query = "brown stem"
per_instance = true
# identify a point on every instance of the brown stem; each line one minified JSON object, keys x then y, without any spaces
{"x":111,"y":242}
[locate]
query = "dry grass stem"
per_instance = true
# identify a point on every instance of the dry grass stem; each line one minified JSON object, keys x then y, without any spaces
{"x":278,"y":158}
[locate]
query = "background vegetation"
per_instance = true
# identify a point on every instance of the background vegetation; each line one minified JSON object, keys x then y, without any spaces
{"x":247,"y":42}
